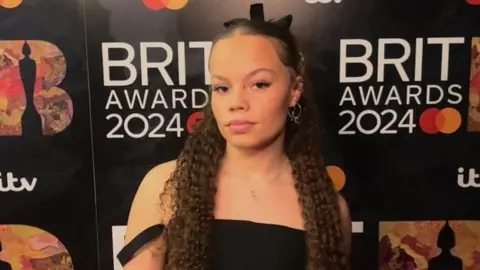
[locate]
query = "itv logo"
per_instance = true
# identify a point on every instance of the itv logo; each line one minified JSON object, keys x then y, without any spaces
{"x":468,"y":178}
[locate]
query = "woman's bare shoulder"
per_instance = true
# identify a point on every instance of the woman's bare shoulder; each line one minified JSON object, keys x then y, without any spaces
{"x":149,"y":210}
{"x":158,"y":175}
{"x":145,"y":210}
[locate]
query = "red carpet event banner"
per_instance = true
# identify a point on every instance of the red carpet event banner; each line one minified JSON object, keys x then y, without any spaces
{"x":94,"y":93}
{"x":47,"y":199}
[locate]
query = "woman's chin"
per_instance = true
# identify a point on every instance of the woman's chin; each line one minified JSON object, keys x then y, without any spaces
{"x":251,"y":143}
{"x":244,"y":142}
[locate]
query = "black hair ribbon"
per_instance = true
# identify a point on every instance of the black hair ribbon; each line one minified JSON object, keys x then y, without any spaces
{"x":257,"y":14}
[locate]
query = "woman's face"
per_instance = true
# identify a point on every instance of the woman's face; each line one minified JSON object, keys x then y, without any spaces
{"x":251,"y":90}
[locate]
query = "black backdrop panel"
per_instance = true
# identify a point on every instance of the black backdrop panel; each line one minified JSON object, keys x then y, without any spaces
{"x":47,"y":213}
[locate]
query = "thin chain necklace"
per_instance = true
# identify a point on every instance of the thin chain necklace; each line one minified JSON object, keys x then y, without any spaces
{"x":253,"y":193}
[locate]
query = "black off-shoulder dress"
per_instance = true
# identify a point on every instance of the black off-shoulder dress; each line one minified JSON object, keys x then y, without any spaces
{"x":241,"y":245}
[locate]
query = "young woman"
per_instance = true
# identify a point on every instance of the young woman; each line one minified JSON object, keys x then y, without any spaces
{"x":249,"y":190}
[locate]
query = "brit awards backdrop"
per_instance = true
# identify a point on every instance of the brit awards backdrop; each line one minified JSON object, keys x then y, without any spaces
{"x":94,"y":93}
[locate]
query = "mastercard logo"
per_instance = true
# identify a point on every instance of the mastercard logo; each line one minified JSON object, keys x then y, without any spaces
{"x":473,"y":2}
{"x":10,"y":3}
{"x":161,"y":4}
{"x":337,"y":175}
{"x":445,"y":121}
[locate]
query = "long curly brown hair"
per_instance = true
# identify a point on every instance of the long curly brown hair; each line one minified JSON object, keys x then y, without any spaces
{"x":192,"y":185}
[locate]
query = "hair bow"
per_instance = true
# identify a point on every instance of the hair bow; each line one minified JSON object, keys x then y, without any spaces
{"x":257,"y":14}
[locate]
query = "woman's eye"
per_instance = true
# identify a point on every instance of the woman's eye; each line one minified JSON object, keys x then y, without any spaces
{"x":220,"y":88}
{"x":261,"y":85}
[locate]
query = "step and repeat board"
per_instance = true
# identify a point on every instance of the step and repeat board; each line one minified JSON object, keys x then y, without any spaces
{"x":94,"y":93}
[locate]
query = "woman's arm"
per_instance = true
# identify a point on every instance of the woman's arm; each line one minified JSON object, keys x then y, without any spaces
{"x":346,"y":222}
{"x":145,"y":213}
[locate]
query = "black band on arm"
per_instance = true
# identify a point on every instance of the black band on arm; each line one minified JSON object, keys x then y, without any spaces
{"x":129,"y":250}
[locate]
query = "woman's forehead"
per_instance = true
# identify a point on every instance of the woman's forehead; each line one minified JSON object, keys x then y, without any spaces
{"x":245,"y":51}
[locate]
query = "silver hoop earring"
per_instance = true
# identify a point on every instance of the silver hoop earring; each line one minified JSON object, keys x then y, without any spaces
{"x":294,"y":113}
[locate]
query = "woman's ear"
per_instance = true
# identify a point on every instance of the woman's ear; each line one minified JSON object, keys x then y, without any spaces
{"x":297,"y":90}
